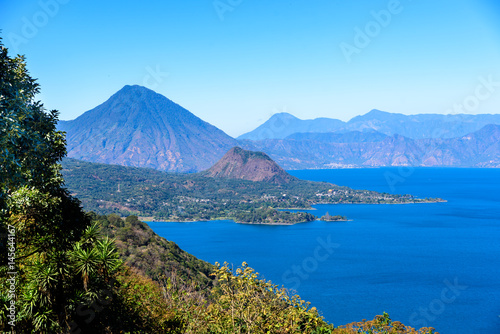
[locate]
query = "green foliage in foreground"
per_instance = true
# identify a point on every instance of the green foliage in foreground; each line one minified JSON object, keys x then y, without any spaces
{"x":186,"y":197}
{"x":53,"y":262}
{"x":243,"y":303}
{"x":240,"y":302}
{"x":152,"y":255}
{"x":54,"y":266}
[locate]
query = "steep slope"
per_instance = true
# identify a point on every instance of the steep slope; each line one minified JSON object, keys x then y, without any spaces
{"x":141,"y":248}
{"x":483,"y":146}
{"x":138,"y":127}
{"x":247,"y":165}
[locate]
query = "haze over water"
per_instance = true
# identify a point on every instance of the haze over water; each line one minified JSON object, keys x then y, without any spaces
{"x":424,"y":264}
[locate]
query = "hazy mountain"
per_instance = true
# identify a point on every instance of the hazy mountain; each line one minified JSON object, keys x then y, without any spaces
{"x":248,"y":165}
{"x":483,"y":147}
{"x":340,"y":136}
{"x":284,"y":124}
{"x":477,"y":149}
{"x":138,"y":127}
{"x":420,"y":126}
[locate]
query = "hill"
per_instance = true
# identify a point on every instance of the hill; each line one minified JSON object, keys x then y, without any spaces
{"x":62,"y":276}
{"x":248,"y":165}
{"x":419,"y":126}
{"x":138,"y":127}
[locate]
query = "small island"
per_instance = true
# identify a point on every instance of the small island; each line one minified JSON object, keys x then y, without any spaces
{"x":329,"y":218}
{"x":271,"y":216}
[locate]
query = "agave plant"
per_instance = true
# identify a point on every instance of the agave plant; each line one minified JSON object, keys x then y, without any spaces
{"x":85,"y":261}
{"x":107,"y":257}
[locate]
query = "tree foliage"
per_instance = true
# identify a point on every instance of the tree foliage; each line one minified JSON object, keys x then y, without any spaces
{"x":59,"y":262}
{"x":153,"y":256}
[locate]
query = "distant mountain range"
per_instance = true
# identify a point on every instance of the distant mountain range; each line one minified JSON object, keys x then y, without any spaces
{"x":478,"y":149}
{"x":282,"y":125}
{"x":340,"y":137}
{"x":138,"y":127}
{"x":421,"y":126}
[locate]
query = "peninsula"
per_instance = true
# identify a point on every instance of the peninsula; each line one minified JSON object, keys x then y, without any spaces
{"x":243,"y":186}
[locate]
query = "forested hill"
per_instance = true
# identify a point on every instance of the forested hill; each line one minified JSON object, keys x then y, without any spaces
{"x":62,"y":275}
{"x":183,"y":197}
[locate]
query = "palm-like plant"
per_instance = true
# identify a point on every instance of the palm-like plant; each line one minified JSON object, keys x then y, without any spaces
{"x":44,"y":322}
{"x":91,"y":234}
{"x":85,"y":261}
{"x":107,"y":257}
{"x":37,"y":298}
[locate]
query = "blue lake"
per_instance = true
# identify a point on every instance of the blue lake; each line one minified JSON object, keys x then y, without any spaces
{"x":425,"y":264}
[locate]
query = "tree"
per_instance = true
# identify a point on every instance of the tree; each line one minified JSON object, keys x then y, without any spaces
{"x":58,"y":260}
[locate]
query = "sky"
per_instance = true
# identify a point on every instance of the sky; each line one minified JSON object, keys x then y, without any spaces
{"x":235,"y":63}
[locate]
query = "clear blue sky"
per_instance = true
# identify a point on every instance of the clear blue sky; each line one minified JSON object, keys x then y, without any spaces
{"x":234,"y":63}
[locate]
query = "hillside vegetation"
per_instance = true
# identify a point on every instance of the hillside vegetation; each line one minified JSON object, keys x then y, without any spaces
{"x":241,"y":164}
{"x":186,"y":197}
{"x":139,"y":247}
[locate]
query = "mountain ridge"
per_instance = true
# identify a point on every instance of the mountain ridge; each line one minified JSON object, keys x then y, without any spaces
{"x":340,"y":136}
{"x":419,"y":126}
{"x":284,"y":124}
{"x":477,"y":149}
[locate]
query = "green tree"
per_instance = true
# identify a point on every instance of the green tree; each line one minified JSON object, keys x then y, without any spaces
{"x":57,"y":255}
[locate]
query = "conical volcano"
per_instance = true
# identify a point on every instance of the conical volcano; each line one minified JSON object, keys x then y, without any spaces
{"x":141,"y":128}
